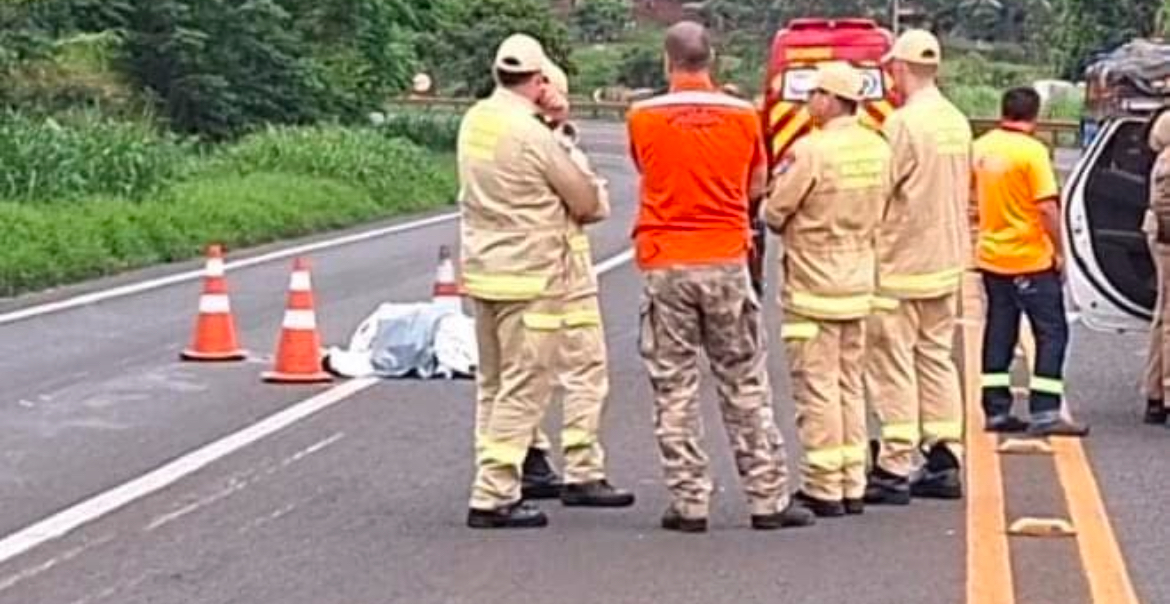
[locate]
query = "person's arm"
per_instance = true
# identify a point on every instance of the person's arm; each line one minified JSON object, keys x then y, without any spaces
{"x":579,"y":190}
{"x":905,"y":158}
{"x":1046,"y":195}
{"x":792,"y":180}
{"x":632,"y":138}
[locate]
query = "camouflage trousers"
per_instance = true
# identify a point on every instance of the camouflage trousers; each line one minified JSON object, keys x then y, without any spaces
{"x":711,"y":309}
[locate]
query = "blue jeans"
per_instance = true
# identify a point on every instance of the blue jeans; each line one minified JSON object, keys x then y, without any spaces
{"x":1041,"y":297}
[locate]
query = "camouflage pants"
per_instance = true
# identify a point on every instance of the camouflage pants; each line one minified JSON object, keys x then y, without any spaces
{"x":713,"y":310}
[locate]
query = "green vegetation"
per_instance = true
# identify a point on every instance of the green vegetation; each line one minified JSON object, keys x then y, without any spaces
{"x":278,"y":183}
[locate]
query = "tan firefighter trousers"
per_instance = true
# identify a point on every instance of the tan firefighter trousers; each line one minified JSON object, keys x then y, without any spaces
{"x":826,"y":362}
{"x":912,"y":381}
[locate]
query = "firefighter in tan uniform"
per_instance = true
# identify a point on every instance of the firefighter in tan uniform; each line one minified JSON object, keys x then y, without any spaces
{"x":828,"y":197}
{"x":523,"y":200}
{"x":582,"y":355}
{"x":923,"y":248}
{"x":1158,"y":228}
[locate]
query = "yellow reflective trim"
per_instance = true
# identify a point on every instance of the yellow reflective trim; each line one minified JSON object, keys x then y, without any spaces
{"x":799,"y":331}
{"x":504,"y":287}
{"x":579,"y":243}
{"x":906,"y":432}
{"x":1047,"y":386}
{"x":481,"y":134}
{"x":799,"y":120}
{"x":952,"y":431}
{"x":922,"y":284}
{"x":813,"y":53}
{"x":854,"y":455}
{"x":576,"y":438}
{"x":884,"y":304}
{"x":501,"y":453}
{"x":996,"y":380}
{"x":842,"y":306}
{"x":554,"y":321}
{"x":826,"y":460}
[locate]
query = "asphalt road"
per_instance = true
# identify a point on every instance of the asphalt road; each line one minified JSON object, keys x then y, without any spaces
{"x":361,"y":496}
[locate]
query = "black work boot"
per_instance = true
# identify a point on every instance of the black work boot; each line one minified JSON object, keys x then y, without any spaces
{"x":793,"y":516}
{"x":823,"y":508}
{"x":518,"y":515}
{"x":854,"y":507}
{"x":885,"y":488}
{"x":1156,"y":413}
{"x":1059,"y":427}
{"x":1005,"y":424}
{"x":596,"y":494}
{"x":539,"y":480}
{"x":940,"y":478}
{"x":674,"y":521}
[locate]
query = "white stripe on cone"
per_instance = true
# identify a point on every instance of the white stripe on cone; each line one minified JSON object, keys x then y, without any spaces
{"x":215,"y":268}
{"x":300,"y":320}
{"x":214,"y":304}
{"x":300,"y":282}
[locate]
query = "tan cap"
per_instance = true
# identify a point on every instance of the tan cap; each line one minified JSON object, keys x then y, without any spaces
{"x":557,"y":78}
{"x":840,"y":79}
{"x":520,"y":53}
{"x":916,"y":46}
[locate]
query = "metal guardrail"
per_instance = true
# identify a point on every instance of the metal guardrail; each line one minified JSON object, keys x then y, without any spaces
{"x":1056,"y":133}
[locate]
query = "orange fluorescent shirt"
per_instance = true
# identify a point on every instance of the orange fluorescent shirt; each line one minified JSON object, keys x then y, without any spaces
{"x":1013,"y":173}
{"x":696,"y":149}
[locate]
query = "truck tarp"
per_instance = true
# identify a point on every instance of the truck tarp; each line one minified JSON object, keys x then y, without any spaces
{"x":1141,"y":66}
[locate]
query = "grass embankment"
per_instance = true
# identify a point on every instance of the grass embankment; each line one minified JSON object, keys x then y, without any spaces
{"x":89,"y":196}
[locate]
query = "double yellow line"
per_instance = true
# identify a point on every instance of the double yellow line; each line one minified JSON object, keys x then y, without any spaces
{"x":989,"y":566}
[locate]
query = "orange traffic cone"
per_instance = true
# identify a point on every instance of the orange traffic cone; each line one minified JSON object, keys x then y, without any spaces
{"x":215,"y":330}
{"x":298,"y":356}
{"x":447,"y":292}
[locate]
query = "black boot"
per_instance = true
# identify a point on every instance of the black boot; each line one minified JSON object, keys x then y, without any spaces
{"x":518,"y":515}
{"x":1156,"y":412}
{"x":854,"y":507}
{"x":1005,"y":424}
{"x":940,"y":478}
{"x":822,"y":508}
{"x":539,"y":480}
{"x":597,"y":494}
{"x":885,"y":488}
{"x":674,"y":521}
{"x":793,"y":516}
{"x":1059,"y":427}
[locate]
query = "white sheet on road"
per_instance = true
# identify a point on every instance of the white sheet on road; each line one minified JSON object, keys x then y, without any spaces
{"x":426,"y":340}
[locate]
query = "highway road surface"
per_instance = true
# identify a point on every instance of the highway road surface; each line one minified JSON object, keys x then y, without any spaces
{"x":127,"y":476}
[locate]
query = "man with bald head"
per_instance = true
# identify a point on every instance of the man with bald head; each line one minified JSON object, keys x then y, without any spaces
{"x":702,"y":160}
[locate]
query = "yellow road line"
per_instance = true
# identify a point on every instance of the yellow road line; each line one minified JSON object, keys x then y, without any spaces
{"x":989,"y":567}
{"x":1109,"y":581}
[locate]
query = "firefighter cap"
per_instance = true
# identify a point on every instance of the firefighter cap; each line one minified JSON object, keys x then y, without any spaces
{"x":916,"y":46}
{"x":841,"y":80}
{"x":557,"y":78}
{"x":521,"y":53}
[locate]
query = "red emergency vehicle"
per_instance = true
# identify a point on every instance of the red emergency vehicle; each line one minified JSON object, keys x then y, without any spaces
{"x":797,"y":49}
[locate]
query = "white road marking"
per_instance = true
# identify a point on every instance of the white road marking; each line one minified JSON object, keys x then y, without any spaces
{"x":153,"y":284}
{"x":68,"y":520}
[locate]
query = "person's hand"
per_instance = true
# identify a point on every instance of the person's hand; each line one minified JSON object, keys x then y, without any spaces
{"x":1058,"y":266}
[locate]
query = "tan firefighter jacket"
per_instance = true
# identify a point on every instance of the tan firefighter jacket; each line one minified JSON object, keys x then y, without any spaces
{"x":827,"y":199}
{"x":524,"y":200}
{"x":923,"y":242}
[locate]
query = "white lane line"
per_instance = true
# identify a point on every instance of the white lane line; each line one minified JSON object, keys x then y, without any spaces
{"x":152,"y":284}
{"x":91,"y":509}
